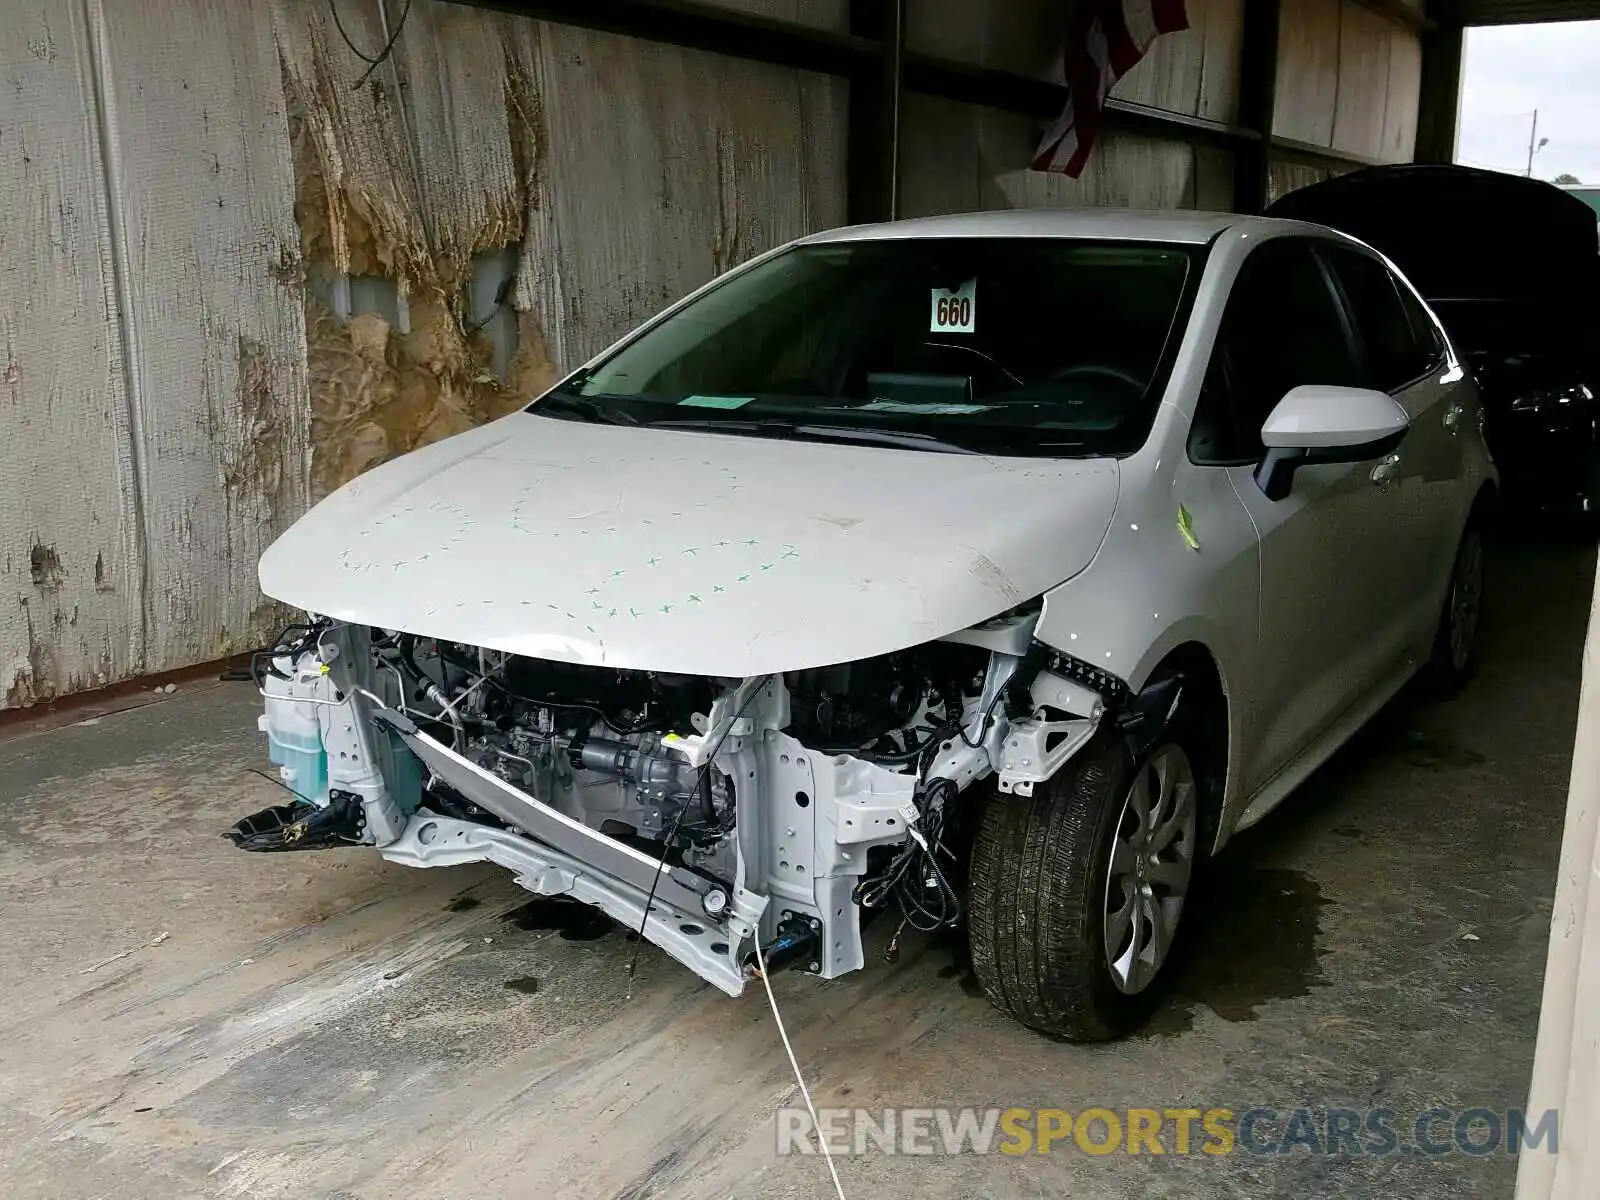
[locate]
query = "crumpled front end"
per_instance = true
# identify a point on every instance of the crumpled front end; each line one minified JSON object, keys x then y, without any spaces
{"x":711,"y":814}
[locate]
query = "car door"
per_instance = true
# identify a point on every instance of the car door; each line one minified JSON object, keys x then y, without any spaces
{"x":1330,"y":585}
{"x":1423,"y":474}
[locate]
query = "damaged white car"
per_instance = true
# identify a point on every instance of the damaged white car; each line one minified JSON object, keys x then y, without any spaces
{"x":985,"y":572}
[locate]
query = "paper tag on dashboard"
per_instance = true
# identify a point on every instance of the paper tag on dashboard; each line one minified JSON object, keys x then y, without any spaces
{"x":955,"y":311}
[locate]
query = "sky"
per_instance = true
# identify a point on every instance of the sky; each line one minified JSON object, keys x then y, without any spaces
{"x":1512,"y":70}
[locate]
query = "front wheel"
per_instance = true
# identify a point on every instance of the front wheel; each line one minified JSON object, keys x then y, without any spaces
{"x":1077,"y":890}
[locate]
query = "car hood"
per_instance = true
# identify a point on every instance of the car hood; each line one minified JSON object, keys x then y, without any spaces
{"x":1431,"y":220}
{"x":1530,"y":288}
{"x":688,"y":552}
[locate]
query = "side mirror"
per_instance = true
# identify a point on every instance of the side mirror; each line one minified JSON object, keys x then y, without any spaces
{"x":1320,"y":423}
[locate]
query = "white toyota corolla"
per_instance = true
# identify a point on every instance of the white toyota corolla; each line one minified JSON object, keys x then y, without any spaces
{"x":984,"y":572}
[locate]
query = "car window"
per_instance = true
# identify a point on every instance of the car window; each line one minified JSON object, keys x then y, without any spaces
{"x":1053,"y":346}
{"x":1393,"y":355}
{"x":1424,"y":329}
{"x":1282,"y":327}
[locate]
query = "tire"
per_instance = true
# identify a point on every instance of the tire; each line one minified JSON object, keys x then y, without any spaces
{"x":1040,"y":908}
{"x":1456,"y":642}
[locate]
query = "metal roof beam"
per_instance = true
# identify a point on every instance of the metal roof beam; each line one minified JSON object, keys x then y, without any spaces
{"x":1401,"y":14}
{"x":1527,"y":12}
{"x":706,"y":27}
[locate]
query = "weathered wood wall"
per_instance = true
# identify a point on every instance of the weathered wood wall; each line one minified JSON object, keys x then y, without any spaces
{"x":235,"y":280}
{"x":1349,"y":79}
{"x":959,"y":156}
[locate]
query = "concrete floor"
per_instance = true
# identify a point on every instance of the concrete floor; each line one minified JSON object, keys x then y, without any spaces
{"x":329,"y":1026}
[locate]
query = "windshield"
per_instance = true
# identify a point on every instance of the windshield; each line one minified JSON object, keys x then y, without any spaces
{"x":1040,"y":346}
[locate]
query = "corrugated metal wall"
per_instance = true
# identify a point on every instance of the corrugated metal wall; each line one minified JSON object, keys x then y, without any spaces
{"x":235,"y":280}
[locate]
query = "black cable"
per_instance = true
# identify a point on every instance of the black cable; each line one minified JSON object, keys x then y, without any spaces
{"x":677,"y":820}
{"x":373,"y":63}
{"x":333,"y":7}
{"x":897,"y":757}
{"x":988,"y":718}
{"x":502,"y":293}
{"x":280,"y":783}
{"x":911,"y":753}
{"x":708,"y":803}
{"x":906,"y":878}
{"x":911,"y":882}
{"x":279,"y":649}
{"x":407,"y":645}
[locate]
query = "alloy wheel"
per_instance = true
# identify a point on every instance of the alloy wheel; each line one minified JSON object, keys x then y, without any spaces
{"x":1152,"y":863}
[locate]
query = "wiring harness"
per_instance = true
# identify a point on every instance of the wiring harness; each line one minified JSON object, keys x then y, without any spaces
{"x":914,"y":878}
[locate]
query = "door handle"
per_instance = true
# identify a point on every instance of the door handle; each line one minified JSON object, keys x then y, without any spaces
{"x":1387,"y":470}
{"x":1452,"y":417}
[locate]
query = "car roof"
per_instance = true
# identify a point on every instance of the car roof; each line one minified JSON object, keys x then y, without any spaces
{"x":1195,"y":228}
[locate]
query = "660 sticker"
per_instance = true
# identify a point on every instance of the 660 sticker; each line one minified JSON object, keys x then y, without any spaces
{"x":955,"y":311}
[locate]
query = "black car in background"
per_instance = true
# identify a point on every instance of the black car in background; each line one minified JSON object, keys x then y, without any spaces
{"x":1512,"y":267}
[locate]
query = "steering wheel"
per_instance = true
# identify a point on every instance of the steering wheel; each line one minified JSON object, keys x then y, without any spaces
{"x":973,"y":350}
{"x":1098,"y":371}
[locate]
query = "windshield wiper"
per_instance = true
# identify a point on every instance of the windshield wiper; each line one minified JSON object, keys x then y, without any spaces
{"x":884,"y":437}
{"x":572,"y":407}
{"x":822,"y":433}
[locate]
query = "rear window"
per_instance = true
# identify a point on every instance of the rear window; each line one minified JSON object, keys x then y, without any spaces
{"x":1027,"y":346}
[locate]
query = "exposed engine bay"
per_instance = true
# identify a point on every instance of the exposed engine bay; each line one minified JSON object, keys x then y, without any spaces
{"x":709,"y":814}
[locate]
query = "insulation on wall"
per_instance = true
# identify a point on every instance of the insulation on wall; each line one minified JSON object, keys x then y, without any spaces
{"x":385,"y":211}
{"x":245,"y":279}
{"x":622,"y":173}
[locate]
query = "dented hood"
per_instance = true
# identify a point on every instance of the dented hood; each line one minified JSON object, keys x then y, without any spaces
{"x":688,"y":552}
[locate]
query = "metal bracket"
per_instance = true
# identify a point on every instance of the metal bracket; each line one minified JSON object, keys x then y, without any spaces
{"x":1035,"y":750}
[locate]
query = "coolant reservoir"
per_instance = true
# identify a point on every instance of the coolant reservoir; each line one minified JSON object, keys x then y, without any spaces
{"x":294,"y":733}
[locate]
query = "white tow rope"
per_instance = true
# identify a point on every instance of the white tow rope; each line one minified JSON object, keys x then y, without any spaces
{"x":805,"y":1092}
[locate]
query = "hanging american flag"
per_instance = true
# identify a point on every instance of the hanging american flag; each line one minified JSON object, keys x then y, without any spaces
{"x":1104,"y":40}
